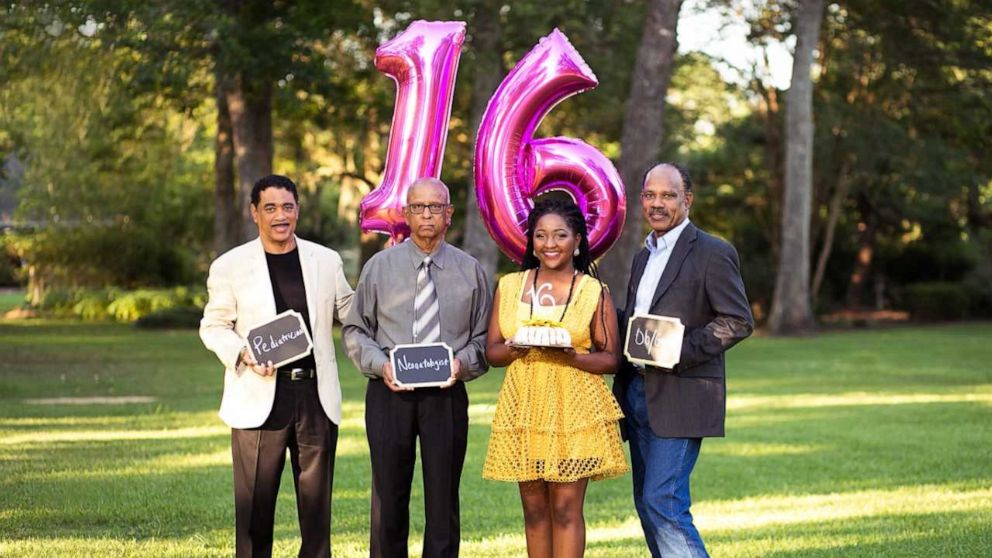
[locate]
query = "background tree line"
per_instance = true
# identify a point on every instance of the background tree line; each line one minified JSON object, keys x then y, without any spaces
{"x":130,"y":133}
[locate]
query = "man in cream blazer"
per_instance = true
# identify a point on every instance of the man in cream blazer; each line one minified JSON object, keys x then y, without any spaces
{"x":296,"y":406}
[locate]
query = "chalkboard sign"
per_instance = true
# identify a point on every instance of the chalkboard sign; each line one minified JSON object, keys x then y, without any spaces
{"x":654,"y":340}
{"x":423,"y":365}
{"x":282,"y":340}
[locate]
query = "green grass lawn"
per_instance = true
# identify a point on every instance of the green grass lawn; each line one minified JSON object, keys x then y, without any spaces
{"x":10,"y":299}
{"x":873,"y":443}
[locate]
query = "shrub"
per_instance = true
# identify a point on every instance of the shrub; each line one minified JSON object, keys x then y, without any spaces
{"x":118,"y":304}
{"x":939,"y":300}
{"x":179,"y":317}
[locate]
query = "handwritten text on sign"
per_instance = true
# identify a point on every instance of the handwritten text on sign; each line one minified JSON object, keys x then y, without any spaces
{"x":654,"y":340}
{"x":422,"y":365}
{"x":282,"y":340}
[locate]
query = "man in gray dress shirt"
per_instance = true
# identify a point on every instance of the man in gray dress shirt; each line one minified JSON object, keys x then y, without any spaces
{"x":389,"y":309}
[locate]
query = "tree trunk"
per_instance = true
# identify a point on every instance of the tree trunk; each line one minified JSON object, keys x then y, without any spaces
{"x":791,"y":310}
{"x":642,"y":133}
{"x":227,"y":223}
{"x":250,"y":105}
{"x":866,"y":251}
{"x":487,"y":46}
{"x":833,"y":215}
{"x":775,"y":163}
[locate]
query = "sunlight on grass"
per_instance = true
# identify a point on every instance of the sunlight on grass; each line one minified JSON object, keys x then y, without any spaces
{"x":72,"y":547}
{"x":742,"y":449}
{"x":107,"y":421}
{"x":114,"y":435}
{"x":764,"y":511}
{"x":481,"y":413}
{"x":93,"y":400}
{"x":796,"y":401}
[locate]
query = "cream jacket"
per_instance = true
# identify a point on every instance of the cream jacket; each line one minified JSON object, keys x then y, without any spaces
{"x":240,"y":298}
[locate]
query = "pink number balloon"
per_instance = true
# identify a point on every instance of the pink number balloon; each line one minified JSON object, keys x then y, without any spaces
{"x":512,"y":168}
{"x":423,"y":61}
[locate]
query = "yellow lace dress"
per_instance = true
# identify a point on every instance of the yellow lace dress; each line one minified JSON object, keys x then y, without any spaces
{"x":553,"y":422}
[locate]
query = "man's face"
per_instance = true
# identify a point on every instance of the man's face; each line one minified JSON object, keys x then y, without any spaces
{"x":276,"y":216}
{"x":426,"y":226}
{"x":664,"y":202}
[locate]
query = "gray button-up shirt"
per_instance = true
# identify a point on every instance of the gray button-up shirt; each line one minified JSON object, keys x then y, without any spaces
{"x":381,"y":315}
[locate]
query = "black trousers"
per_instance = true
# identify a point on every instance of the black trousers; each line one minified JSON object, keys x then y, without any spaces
{"x":394,"y":421}
{"x":298,"y":423}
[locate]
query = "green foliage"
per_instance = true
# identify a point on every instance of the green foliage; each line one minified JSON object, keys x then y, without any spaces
{"x":118,"y":304}
{"x":941,"y":300}
{"x":179,"y":317}
{"x":109,"y":106}
{"x":114,"y":186}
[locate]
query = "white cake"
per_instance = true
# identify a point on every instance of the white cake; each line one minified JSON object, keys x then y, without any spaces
{"x":542,"y":336}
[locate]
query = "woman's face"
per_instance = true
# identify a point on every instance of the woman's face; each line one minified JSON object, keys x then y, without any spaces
{"x":554,"y":242}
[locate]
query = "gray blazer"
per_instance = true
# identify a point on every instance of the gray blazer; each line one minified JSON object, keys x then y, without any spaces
{"x":702,"y":286}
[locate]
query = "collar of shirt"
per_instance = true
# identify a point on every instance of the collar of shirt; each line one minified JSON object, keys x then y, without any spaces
{"x":438,"y":258}
{"x":667,"y":240}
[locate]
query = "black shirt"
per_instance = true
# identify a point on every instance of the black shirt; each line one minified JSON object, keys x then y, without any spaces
{"x":290,"y":294}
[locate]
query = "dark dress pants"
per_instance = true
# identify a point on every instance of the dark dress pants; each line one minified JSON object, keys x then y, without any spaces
{"x":298,"y":423}
{"x":394,"y":421}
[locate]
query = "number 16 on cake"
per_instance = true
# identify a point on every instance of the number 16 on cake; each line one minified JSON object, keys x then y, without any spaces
{"x":654,"y":340}
{"x":422,"y":365}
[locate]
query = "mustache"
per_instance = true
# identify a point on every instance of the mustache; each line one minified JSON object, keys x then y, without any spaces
{"x":660,"y":212}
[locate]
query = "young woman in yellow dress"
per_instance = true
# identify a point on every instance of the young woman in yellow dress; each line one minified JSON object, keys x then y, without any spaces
{"x":556,"y":421}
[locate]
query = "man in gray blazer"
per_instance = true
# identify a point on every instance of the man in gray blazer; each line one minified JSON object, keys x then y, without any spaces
{"x":684,"y":273}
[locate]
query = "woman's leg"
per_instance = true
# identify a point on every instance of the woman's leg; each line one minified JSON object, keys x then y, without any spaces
{"x":537,"y":518}
{"x":568,"y":525}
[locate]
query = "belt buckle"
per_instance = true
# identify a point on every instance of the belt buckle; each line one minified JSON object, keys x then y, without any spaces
{"x":298,"y":374}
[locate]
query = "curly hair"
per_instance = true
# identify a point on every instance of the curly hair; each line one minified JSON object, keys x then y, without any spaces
{"x":576,"y":222}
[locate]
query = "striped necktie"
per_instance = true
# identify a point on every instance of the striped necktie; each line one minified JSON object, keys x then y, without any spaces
{"x":427,"y":312}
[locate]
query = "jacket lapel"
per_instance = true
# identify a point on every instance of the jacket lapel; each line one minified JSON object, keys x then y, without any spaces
{"x":308,"y":264}
{"x":640,"y":262}
{"x":682,"y":248}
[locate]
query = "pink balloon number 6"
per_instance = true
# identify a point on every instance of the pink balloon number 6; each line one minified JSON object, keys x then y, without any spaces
{"x":512,"y":168}
{"x":423,"y":61}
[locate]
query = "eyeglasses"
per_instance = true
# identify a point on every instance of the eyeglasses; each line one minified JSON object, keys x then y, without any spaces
{"x":666,"y":196}
{"x":418,"y":208}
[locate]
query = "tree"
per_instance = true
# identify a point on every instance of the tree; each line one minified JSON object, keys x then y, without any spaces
{"x":640,"y":141}
{"x":791,"y":310}
{"x":487,"y":50}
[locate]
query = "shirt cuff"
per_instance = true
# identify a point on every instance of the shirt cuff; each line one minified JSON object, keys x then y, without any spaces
{"x":378,"y":361}
{"x":471,"y":369}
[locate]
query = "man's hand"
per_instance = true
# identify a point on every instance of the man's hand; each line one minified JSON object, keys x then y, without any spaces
{"x":263,"y":370}
{"x":456,"y":374}
{"x":390,"y":380}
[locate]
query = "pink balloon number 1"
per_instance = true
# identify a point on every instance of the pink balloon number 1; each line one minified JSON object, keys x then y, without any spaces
{"x":423,"y":61}
{"x":511,"y":167}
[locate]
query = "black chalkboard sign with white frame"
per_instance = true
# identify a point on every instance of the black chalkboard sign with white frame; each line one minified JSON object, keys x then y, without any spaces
{"x":282,"y":340}
{"x":422,"y":365}
{"x":654,"y":340}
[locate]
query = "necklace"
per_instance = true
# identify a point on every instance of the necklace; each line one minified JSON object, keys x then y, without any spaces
{"x":571,"y":288}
